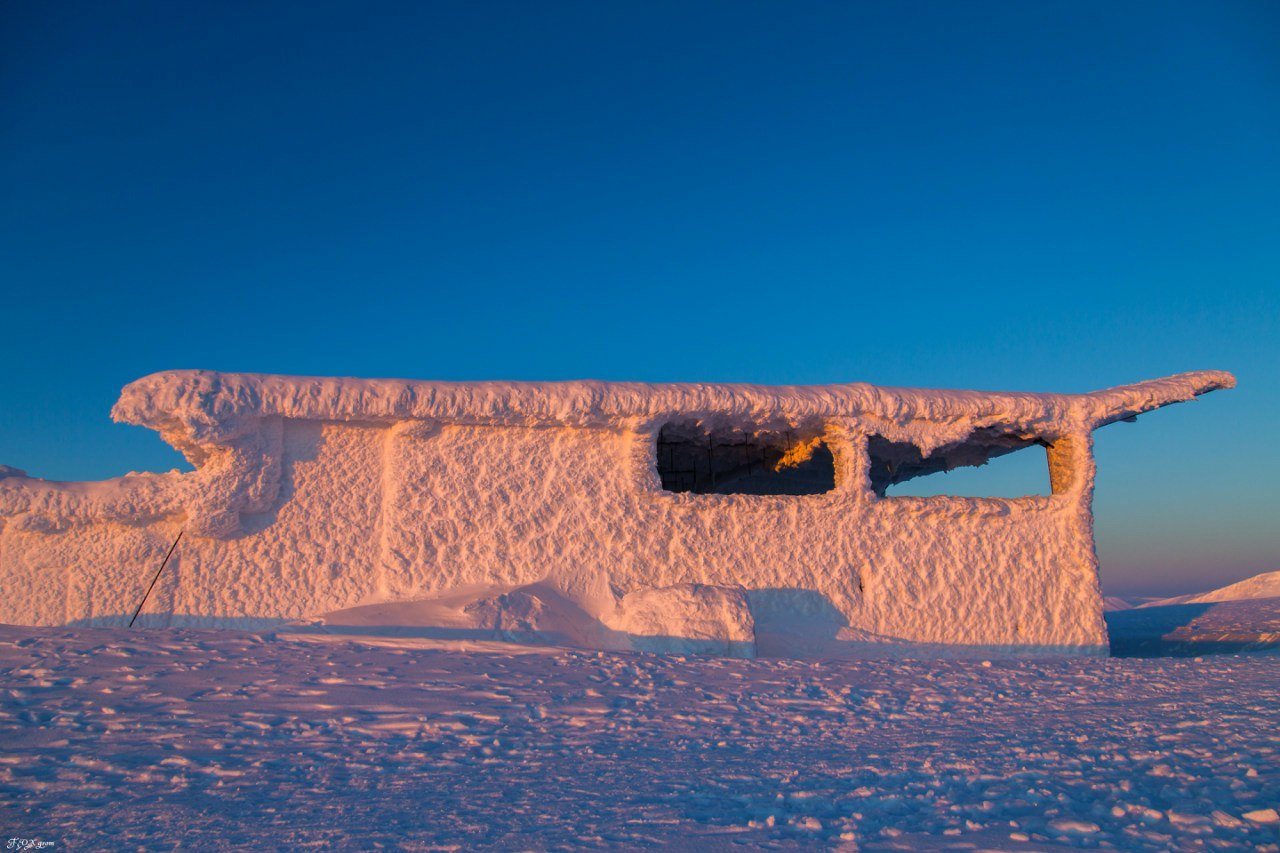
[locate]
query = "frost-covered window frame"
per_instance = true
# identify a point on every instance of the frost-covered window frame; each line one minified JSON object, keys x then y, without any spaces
{"x":890,"y":462}
{"x":702,"y":457}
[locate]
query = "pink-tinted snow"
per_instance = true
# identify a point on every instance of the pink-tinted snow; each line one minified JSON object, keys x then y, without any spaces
{"x":155,"y":738}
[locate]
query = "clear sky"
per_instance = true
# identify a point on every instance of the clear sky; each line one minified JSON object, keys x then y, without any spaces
{"x":1020,"y":196}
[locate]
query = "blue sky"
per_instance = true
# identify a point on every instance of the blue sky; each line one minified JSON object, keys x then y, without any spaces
{"x":1055,"y":197}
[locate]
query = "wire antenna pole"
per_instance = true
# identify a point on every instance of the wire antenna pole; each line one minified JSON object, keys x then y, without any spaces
{"x":156,"y":578}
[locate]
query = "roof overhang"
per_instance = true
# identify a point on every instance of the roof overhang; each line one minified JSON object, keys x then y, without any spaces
{"x":201,"y":405}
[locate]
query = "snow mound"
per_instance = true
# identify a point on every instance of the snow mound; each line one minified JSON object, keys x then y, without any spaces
{"x":535,"y":614}
{"x":682,"y":619}
{"x":688,"y":618}
{"x":1112,"y":603}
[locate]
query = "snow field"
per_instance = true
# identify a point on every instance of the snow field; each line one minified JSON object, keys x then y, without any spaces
{"x":224,"y":739}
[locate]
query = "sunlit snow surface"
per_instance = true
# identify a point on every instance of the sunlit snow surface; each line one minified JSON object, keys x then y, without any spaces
{"x":224,"y":739}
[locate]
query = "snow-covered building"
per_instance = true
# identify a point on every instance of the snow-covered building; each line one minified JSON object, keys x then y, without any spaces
{"x":312,"y":495}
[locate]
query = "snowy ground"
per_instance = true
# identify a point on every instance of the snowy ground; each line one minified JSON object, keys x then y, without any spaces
{"x":226,"y":739}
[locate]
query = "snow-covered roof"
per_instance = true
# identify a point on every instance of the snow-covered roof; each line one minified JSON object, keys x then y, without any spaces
{"x":203,"y":404}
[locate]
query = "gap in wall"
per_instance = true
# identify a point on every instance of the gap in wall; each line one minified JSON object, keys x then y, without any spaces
{"x":987,"y":465}
{"x":742,"y":460}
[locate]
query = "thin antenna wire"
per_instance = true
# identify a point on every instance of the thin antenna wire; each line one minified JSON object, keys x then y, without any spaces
{"x":156,"y":578}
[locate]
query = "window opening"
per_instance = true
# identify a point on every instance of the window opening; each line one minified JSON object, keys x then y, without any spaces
{"x":743,"y":461}
{"x":962,"y":469}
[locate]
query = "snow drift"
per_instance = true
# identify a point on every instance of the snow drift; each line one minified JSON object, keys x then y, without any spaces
{"x":684,"y":619}
{"x":312,"y":496}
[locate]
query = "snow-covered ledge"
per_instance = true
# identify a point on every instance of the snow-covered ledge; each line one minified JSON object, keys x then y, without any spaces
{"x":315,"y":494}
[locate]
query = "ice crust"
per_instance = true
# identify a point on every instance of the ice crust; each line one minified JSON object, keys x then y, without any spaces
{"x":200,"y":405}
{"x":314,"y":495}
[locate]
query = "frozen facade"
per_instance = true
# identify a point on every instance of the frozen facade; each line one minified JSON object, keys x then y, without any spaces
{"x":312,"y":495}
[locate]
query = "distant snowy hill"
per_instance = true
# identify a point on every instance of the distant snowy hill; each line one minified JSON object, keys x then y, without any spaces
{"x":1243,"y":616}
{"x":1265,"y":585}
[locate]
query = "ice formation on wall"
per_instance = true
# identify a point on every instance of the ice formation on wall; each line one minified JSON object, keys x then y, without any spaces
{"x":316,"y":495}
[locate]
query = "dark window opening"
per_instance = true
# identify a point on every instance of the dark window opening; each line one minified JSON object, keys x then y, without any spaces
{"x":899,"y":469}
{"x":736,"y":461}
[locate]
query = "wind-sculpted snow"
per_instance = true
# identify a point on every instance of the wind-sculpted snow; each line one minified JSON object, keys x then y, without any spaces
{"x":207,"y":404}
{"x":314,"y":495}
{"x":222,"y":740}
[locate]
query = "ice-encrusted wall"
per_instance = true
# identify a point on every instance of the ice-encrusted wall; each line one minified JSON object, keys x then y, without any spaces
{"x":584,"y":509}
{"x":316,"y":495}
{"x":315,"y":547}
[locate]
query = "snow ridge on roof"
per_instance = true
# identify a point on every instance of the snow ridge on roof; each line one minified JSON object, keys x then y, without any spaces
{"x":204,"y":403}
